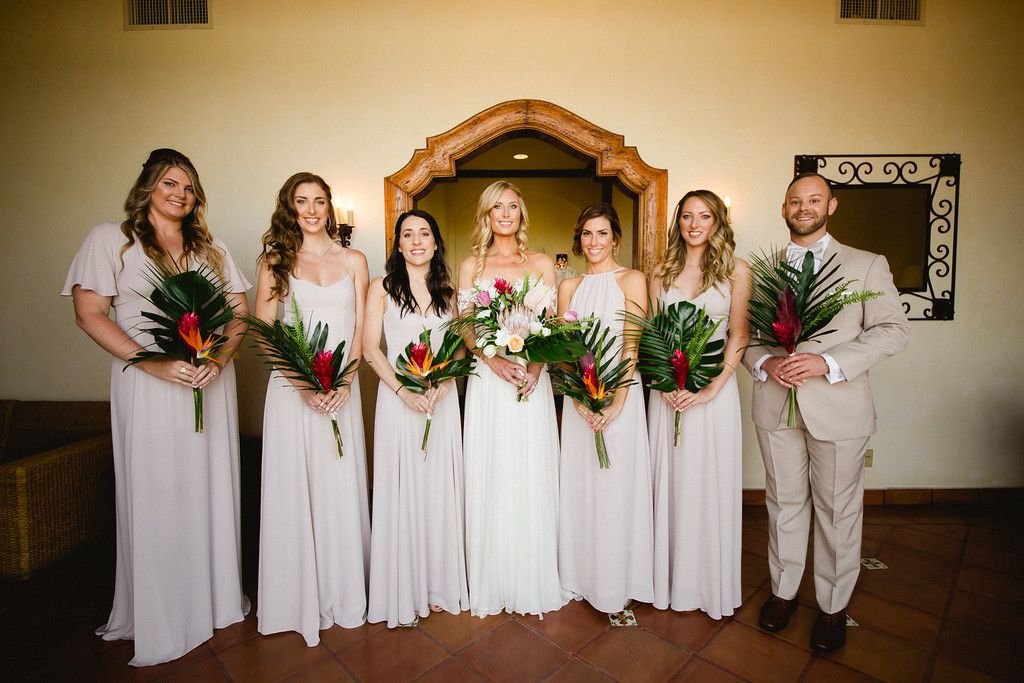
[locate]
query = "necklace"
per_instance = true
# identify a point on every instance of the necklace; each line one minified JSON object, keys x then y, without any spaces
{"x":314,"y":254}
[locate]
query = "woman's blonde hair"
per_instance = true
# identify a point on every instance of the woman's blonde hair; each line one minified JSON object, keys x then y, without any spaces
{"x":719,"y":260}
{"x":196,"y":237}
{"x":283,"y":239}
{"x":483,"y":236}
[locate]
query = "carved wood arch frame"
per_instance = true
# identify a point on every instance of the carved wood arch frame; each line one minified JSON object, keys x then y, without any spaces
{"x":613,"y":158}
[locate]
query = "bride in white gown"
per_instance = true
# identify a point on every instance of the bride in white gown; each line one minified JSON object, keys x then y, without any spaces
{"x":511,"y":447}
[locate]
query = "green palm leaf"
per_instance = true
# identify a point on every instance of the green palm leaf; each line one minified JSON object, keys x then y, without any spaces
{"x":177,"y":292}
{"x":679,"y":326}
{"x":567,"y":376}
{"x":285,"y":348}
{"x":819,"y":296}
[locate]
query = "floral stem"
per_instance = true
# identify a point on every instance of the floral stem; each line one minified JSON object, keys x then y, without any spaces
{"x":197,"y":402}
{"x":519,"y":397}
{"x":602,"y":450}
{"x":675,"y":442}
{"x":426,"y":434}
{"x":792,"y":407}
{"x":337,"y":436}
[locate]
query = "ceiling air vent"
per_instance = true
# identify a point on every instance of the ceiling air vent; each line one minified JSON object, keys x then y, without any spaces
{"x":905,"y":12}
{"x":153,"y":14}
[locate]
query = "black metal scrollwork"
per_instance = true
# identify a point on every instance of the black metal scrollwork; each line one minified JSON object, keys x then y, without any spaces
{"x":941,"y":173}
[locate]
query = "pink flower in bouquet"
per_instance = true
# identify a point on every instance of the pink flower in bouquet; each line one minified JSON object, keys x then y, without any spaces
{"x":502,"y":285}
{"x":483,"y":298}
{"x":680,"y":368}
{"x":571,"y":316}
{"x":323,"y":369}
{"x":787,"y":325}
{"x":587,"y":361}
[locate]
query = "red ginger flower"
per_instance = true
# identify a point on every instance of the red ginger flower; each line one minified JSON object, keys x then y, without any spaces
{"x":189,"y":323}
{"x":680,"y":368}
{"x":594,"y":386}
{"x":787,"y":325}
{"x":421,"y":361}
{"x":323,"y":369}
{"x":418,"y":354}
{"x":502,"y":285}
{"x":188,"y":330}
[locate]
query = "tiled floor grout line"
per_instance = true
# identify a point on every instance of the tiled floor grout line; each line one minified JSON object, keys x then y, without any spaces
{"x":944,"y":619}
{"x":337,"y":657}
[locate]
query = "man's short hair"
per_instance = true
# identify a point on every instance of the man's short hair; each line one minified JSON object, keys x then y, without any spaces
{"x":810,"y":174}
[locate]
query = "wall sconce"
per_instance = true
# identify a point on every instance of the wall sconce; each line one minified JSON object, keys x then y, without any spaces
{"x":345,"y":218}
{"x":728,"y":206}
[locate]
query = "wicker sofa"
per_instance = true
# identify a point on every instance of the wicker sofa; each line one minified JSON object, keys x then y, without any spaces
{"x":56,"y":481}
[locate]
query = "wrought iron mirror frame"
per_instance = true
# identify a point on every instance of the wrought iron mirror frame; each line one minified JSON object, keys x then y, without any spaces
{"x":941,"y":173}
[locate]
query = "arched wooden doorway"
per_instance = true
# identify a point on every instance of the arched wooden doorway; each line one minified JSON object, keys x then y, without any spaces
{"x":612,"y":158}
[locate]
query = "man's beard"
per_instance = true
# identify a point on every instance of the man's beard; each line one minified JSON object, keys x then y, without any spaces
{"x":800,"y":228}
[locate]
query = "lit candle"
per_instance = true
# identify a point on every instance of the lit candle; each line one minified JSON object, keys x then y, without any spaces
{"x":350,"y":214}
{"x":338,"y":217}
{"x":728,"y":206}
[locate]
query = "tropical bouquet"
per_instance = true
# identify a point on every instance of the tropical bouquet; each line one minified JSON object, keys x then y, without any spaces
{"x":420,"y":369}
{"x":517,"y":320}
{"x":594,"y":378}
{"x":287,"y":348}
{"x":790,"y":305}
{"x":675,"y":351}
{"x":191,"y":305}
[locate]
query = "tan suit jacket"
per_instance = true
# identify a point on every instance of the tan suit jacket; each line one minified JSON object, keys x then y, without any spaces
{"x":864,"y":335}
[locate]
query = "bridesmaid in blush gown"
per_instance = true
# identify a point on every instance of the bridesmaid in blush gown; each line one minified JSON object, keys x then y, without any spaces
{"x":418,"y":558}
{"x":511,"y":447}
{"x":605,"y":523}
{"x":314,"y":517}
{"x":177,"y":575}
{"x":697,"y":485}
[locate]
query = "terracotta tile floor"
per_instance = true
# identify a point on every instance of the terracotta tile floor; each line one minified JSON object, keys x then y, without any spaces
{"x":950,"y":607}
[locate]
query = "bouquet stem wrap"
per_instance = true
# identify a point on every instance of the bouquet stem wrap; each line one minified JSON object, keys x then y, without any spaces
{"x":337,"y":436}
{"x":426,"y":435}
{"x":197,"y":401}
{"x":602,"y":450}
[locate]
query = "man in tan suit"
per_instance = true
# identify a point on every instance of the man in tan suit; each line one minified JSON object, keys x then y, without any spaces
{"x":820,"y":462}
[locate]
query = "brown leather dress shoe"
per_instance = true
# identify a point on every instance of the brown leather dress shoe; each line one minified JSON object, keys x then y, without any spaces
{"x":775,"y":613}
{"x":829,"y":631}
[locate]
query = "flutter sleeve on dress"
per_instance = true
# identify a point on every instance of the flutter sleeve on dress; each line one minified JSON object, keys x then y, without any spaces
{"x":96,"y":264}
{"x":233,"y":277}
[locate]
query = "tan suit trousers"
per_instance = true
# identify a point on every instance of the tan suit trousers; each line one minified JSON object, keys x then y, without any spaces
{"x":802,"y":471}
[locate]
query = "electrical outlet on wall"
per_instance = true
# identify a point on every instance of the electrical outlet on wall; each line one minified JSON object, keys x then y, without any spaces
{"x":869,"y":457}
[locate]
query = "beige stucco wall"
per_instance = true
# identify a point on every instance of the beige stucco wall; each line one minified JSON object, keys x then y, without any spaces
{"x":720,"y":94}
